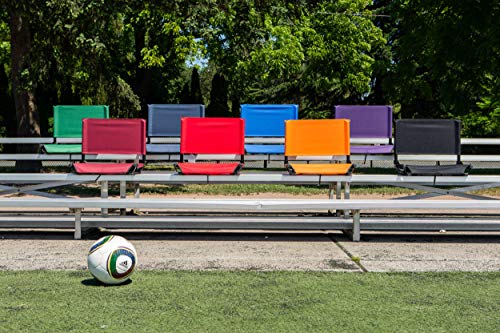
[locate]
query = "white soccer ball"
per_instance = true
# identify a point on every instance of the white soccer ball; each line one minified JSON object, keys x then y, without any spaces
{"x":112,"y":259}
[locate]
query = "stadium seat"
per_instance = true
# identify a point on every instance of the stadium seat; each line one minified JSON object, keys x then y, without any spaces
{"x":164,"y":120}
{"x":220,"y":136}
{"x":68,"y":124}
{"x":267,"y":120}
{"x":111,"y":138}
{"x":309,"y":139}
{"x":429,"y":137}
{"x":368,"y":121}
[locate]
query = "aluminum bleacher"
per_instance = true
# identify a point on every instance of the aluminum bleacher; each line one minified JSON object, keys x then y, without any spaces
{"x":353,"y":225}
{"x":217,"y":138}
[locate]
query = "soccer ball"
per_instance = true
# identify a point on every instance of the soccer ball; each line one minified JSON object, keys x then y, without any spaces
{"x":112,"y":259}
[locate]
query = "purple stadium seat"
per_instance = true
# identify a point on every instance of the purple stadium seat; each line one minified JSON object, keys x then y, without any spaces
{"x":368,"y":121}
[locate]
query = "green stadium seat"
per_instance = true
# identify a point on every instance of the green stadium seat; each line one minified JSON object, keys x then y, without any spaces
{"x":68,"y":124}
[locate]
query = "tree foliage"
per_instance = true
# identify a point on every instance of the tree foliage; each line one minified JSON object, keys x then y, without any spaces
{"x":445,"y":53}
{"x":434,"y":59}
{"x":314,"y":53}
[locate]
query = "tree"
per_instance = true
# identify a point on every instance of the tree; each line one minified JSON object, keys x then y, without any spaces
{"x":196,"y":96}
{"x":444,"y":54}
{"x":185,"y":96}
{"x":162,"y":46}
{"x":218,"y":106}
{"x":313,"y":53}
{"x":8,"y":123}
{"x":485,"y":120}
{"x":28,"y":122}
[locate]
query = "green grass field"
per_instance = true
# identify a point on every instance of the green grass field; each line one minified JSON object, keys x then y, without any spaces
{"x":221,"y":301}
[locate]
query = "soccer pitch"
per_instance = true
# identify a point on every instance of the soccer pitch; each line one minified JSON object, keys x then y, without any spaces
{"x":248,"y":301}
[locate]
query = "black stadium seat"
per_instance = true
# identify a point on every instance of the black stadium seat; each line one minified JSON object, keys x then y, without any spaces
{"x":428,"y":137}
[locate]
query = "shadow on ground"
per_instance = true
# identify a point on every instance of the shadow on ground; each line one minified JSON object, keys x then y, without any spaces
{"x":263,"y":236}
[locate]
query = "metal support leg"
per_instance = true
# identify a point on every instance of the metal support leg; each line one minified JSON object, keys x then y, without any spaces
{"x":435,"y":192}
{"x":123,"y":195}
{"x":137,"y":194}
{"x":137,"y":191}
{"x":356,"y":226}
{"x":338,"y":194}
{"x":347,"y":196}
{"x":104,"y":195}
{"x":331,"y":191}
{"x":78,"y":223}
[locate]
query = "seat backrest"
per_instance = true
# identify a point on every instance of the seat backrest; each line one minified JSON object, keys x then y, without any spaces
{"x":68,"y":118}
{"x":267,"y":119}
{"x":427,"y":136}
{"x":367,"y":121}
{"x":165,"y":119}
{"x":212,"y":136}
{"x":114,"y":136}
{"x":322,"y":137}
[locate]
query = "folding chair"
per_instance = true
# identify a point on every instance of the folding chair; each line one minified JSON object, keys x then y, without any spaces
{"x":310,"y":139}
{"x":68,"y":124}
{"x":267,"y":120}
{"x":221,"y":136}
{"x":429,"y":137}
{"x":112,"y":139}
{"x":368,"y":121}
{"x":164,"y":120}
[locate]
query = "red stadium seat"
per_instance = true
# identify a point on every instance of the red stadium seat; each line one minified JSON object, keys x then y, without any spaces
{"x":220,"y":136}
{"x":112,"y":137}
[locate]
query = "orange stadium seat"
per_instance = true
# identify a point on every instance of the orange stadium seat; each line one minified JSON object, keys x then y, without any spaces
{"x":326,"y":138}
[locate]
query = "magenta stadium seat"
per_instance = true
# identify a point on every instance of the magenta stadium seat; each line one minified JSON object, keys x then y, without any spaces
{"x":221,"y":136}
{"x":209,"y":168}
{"x":112,"y":137}
{"x":107,"y":168}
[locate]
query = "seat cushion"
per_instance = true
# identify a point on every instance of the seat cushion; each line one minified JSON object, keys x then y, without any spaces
{"x":163,"y":148}
{"x":106,"y":168}
{"x":320,"y":169}
{"x":265,"y":149}
{"x":382,"y":149}
{"x":435,"y":170}
{"x":67,"y":148}
{"x":187,"y":168}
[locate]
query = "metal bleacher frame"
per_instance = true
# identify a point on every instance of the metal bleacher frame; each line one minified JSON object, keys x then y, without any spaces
{"x":347,"y":222}
{"x":338,"y":188}
{"x":254,"y":206}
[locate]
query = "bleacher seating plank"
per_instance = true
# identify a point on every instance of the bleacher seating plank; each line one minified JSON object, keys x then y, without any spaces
{"x":251,"y":205}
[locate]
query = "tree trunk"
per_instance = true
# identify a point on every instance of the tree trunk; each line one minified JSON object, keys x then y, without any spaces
{"x":7,"y":111}
{"x":28,"y":122}
{"x":143,"y":76}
